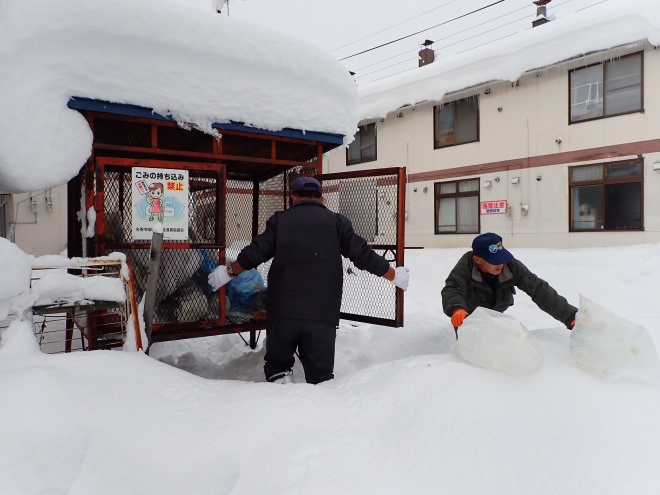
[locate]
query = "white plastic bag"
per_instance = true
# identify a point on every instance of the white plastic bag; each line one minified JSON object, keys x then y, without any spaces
{"x":610,"y":347}
{"x":498,"y":342}
{"x":168,"y":210}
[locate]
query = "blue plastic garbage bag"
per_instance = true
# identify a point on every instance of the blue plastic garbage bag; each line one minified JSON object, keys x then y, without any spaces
{"x":243,"y":288}
{"x":201,"y":276}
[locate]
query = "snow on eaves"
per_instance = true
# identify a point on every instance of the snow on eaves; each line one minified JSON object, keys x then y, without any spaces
{"x":192,"y":64}
{"x":614,"y":23}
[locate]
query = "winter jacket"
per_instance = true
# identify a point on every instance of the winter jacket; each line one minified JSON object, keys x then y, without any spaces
{"x":467,"y":287}
{"x":306,"y":243}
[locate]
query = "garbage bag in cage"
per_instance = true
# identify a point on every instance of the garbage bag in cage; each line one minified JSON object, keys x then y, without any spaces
{"x":498,"y":342}
{"x":243,"y":288}
{"x":610,"y":347}
{"x":201,"y":275}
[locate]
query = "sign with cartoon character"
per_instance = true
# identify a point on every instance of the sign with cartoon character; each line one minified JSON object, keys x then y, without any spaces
{"x":160,"y":195}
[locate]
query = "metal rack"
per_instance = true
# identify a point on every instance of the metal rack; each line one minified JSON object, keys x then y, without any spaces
{"x":66,"y":326}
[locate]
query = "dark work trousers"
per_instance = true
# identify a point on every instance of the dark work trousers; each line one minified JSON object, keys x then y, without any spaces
{"x":316,"y":347}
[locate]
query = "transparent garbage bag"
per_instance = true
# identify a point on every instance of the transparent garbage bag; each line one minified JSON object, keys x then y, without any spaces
{"x":498,"y":342}
{"x":610,"y":347}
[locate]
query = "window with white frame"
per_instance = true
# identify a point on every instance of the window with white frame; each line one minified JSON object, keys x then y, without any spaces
{"x":607,"y":89}
{"x":457,"y":207}
{"x":363,"y":147}
{"x":607,"y":197}
{"x":457,"y":122}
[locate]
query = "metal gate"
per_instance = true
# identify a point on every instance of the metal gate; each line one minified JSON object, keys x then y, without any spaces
{"x":374,"y":201}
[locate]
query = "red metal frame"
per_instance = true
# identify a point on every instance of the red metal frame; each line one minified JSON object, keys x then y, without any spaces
{"x":258,"y":161}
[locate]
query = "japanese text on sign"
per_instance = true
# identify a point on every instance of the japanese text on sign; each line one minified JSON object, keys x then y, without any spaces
{"x":160,"y":196}
{"x":493,"y":207}
{"x":138,"y":174}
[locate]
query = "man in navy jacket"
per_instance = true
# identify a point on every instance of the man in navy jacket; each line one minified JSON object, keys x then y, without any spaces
{"x":305,"y":280}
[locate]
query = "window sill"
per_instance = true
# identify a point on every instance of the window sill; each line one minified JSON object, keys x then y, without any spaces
{"x":348,"y":164}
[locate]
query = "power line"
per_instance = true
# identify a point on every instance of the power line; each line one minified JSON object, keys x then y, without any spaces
{"x":468,"y":49}
{"x":484,"y":32}
{"x":423,"y":30}
{"x":446,"y":46}
{"x":392,"y":26}
{"x":497,"y":39}
{"x":452,"y":35}
{"x":388,"y":67}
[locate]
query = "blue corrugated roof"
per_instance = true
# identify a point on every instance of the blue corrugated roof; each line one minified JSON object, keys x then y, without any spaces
{"x":77,"y":103}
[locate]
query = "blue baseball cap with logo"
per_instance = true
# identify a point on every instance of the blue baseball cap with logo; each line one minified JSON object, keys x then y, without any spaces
{"x":489,"y":247}
{"x":306,"y":184}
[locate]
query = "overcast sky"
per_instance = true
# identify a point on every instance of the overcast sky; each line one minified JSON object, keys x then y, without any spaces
{"x":347,"y":27}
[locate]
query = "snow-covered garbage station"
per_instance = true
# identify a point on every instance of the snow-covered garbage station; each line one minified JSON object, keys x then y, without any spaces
{"x":153,"y":114}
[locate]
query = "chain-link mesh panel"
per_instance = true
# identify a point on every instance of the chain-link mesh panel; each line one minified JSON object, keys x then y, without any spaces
{"x":252,"y":146}
{"x":122,"y":132}
{"x":370,"y":203}
{"x":204,"y":209}
{"x":293,"y":151}
{"x":273,"y":196}
{"x":240,"y":207}
{"x":117,"y":207}
{"x":240,"y":213}
{"x":177,"y":138}
{"x":182,"y":293}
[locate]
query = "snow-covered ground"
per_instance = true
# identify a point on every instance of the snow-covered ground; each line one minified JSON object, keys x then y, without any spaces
{"x":403,"y":415}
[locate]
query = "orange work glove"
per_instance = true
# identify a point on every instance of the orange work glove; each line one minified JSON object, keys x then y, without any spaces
{"x":458,"y":316}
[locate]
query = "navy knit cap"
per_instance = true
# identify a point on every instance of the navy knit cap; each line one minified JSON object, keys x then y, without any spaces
{"x":309,"y":184}
{"x":489,"y":247}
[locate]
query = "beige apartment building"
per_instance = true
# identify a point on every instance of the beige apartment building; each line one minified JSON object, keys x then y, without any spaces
{"x":565,"y":156}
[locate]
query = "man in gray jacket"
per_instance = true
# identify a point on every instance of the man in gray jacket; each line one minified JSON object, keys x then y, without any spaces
{"x":305,"y":280}
{"x":488,"y":275}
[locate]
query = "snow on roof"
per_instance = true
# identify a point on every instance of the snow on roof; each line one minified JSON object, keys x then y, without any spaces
{"x":194,"y":65}
{"x":610,"y":24}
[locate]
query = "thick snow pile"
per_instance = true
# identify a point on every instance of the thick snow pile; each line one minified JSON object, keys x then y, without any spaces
{"x":403,"y":415}
{"x":191,"y":64}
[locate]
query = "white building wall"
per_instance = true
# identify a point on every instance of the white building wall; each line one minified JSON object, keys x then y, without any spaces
{"x":518,"y":122}
{"x":41,"y":229}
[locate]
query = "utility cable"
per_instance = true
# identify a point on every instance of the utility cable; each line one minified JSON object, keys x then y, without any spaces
{"x":444,"y":46}
{"x":423,"y":30}
{"x":501,"y":38}
{"x":452,"y":35}
{"x":462,"y":51}
{"x":392,"y":26}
